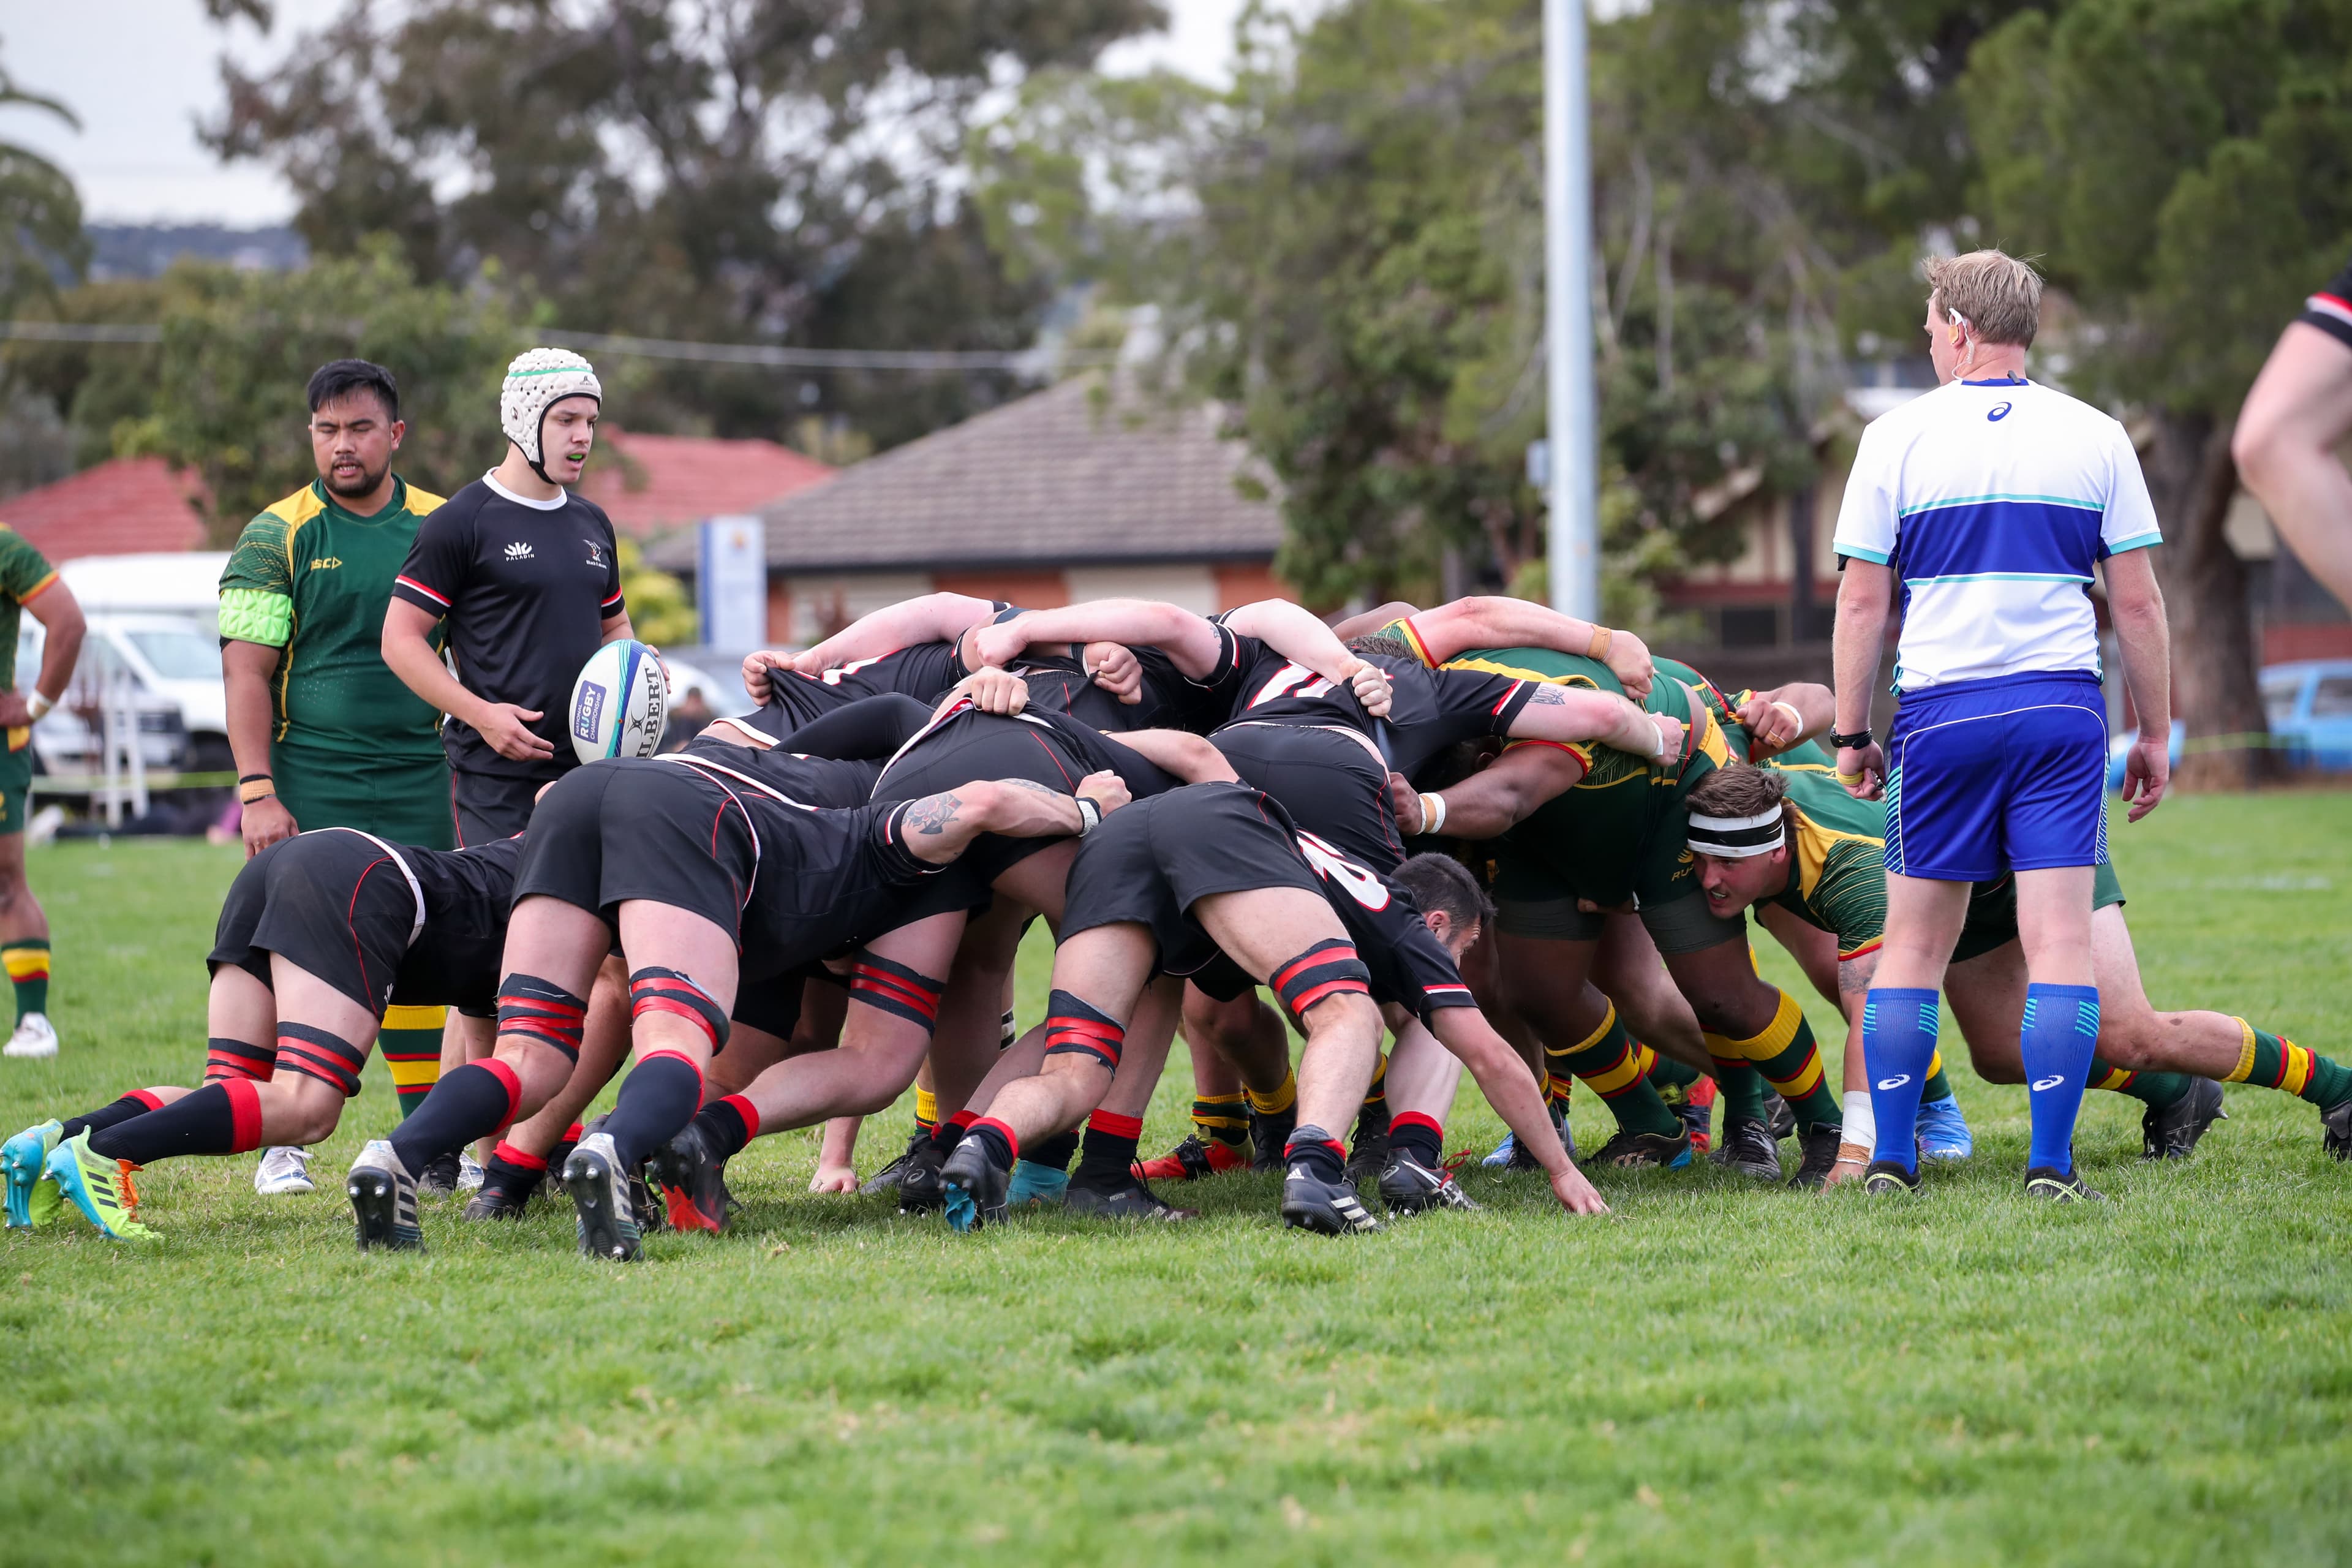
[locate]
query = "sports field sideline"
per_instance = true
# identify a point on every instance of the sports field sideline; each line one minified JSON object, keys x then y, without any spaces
{"x":1717,"y":1373}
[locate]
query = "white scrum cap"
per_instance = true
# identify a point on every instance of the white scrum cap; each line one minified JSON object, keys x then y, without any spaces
{"x":538,"y":378}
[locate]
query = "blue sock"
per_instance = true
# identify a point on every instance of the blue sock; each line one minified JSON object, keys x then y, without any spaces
{"x":2062,"y":1025}
{"x":1899,"y":1042}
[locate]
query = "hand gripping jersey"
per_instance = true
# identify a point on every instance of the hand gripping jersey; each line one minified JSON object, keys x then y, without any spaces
{"x":311,"y":579}
{"x":1993,"y":501}
{"x":923,"y":671}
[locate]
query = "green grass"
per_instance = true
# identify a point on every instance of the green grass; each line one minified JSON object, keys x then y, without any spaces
{"x":1715,"y":1375}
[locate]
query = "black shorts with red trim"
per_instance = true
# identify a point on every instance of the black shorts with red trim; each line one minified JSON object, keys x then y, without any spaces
{"x":1330,"y":783}
{"x":1150,"y":861}
{"x":2330,"y":310}
{"x":772,"y":1005}
{"x":629,"y":828}
{"x":332,"y":903}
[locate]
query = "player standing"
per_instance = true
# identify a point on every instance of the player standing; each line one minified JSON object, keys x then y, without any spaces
{"x":27,"y":581}
{"x":1992,"y":500}
{"x":323,"y":733}
{"x":524,"y":577}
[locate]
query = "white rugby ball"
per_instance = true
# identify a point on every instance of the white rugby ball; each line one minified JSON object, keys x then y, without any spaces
{"x":619,"y":703}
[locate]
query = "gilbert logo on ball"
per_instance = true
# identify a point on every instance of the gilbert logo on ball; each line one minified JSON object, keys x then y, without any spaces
{"x":619,"y":703}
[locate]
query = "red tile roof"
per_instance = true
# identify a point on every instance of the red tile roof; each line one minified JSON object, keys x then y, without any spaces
{"x":124,"y":506}
{"x":649,"y":483}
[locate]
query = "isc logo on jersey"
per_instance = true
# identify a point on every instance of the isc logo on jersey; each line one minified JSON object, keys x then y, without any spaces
{"x":619,"y":703}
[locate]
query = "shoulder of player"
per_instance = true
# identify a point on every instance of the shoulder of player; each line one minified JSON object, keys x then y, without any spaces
{"x":422,"y":502}
{"x":281,"y":519}
{"x":586,"y":510}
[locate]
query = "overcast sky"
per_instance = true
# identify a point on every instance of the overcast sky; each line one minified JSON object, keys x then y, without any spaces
{"x":139,"y":72}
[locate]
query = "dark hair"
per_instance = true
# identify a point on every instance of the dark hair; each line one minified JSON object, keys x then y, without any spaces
{"x":341,"y":378}
{"x":1381,"y":645}
{"x":1442,"y":882}
{"x":1738,"y":789}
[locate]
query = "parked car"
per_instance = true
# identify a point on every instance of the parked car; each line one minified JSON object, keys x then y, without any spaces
{"x":172,"y":661}
{"x":2309,"y":706}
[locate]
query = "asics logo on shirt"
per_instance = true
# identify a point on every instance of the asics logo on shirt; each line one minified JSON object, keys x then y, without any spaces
{"x":1897,"y":1081}
{"x":2044,"y":1085}
{"x":519,"y":551}
{"x":2000,"y":412}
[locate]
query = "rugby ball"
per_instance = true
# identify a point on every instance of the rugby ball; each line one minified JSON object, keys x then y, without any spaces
{"x":619,"y":703}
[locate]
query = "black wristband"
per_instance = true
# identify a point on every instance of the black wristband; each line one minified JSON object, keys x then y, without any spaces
{"x":1089,"y":814}
{"x":251,"y":778}
{"x":1854,"y":741}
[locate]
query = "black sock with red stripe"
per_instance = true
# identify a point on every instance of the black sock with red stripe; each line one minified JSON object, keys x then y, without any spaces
{"x":1321,"y":1154}
{"x":1420,"y":1136}
{"x":469,"y":1102}
{"x":726,"y":1125}
{"x":138,"y":1103}
{"x":218,"y":1119}
{"x":1002,"y":1144}
{"x":950,"y":1132}
{"x":1057,"y":1151}
{"x":513,"y":1172}
{"x":1109,"y":1156}
{"x":656,"y":1100}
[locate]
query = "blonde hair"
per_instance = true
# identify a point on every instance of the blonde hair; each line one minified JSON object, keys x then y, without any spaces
{"x":1998,"y":296}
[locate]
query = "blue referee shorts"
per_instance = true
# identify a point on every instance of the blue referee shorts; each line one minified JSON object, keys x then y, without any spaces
{"x":1989,"y":776}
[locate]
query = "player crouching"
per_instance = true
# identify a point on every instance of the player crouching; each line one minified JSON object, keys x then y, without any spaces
{"x":1212,"y":881}
{"x":319,"y":933}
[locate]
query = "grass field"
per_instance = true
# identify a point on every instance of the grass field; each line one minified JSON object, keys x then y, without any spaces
{"x":1715,"y":1375}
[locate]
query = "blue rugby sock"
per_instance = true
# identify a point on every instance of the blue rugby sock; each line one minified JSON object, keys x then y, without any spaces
{"x":2062,"y":1026}
{"x":1898,"y":1044}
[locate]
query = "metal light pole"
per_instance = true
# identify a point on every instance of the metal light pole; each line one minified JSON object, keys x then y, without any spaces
{"x":1574,"y":447}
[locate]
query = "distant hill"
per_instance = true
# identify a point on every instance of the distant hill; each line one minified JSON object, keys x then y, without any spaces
{"x":144,"y":250}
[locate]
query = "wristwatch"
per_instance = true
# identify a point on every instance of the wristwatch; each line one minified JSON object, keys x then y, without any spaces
{"x":1854,"y":741}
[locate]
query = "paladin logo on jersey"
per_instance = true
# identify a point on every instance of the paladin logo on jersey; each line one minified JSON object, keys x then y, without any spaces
{"x":595,"y":554}
{"x":588,"y":713}
{"x":518,"y":552}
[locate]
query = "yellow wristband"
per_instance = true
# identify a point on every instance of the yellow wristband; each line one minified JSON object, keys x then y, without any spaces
{"x":259,"y":790}
{"x":1598,"y":647}
{"x":1849,"y":779}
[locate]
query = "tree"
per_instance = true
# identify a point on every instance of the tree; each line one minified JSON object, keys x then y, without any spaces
{"x":226,"y":399}
{"x":776,"y":170}
{"x":40,"y":212}
{"x":2182,"y":164}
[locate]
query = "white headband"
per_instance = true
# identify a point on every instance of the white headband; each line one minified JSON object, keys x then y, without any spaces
{"x":1737,"y":837}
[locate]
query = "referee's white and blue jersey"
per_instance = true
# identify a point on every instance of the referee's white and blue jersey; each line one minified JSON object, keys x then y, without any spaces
{"x":1993,"y":501}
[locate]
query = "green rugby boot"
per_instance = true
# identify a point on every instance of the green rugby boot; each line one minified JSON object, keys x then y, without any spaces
{"x":100,"y":1187}
{"x":33,"y":1197}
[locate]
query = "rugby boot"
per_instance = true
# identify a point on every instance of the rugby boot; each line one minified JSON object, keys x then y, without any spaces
{"x":693,"y":1182}
{"x":1369,"y":1151}
{"x":1503,"y":1156}
{"x":2336,"y":1131}
{"x":470,"y":1175}
{"x":1269,"y":1135}
{"x":440,"y":1179}
{"x":1192,"y":1159}
{"x":1885,"y":1178}
{"x":2171,"y":1132}
{"x":1036,"y":1182}
{"x":972,"y":1186}
{"x":2060,"y":1186}
{"x":1312,"y":1200}
{"x":1819,"y":1144}
{"x":384,"y":1200}
{"x":1635,"y":1151}
{"x":34,"y":1197}
{"x":1129,"y":1199}
{"x":499,"y":1201}
{"x":920,"y":1187}
{"x":886,"y":1180}
{"x":1749,"y":1149}
{"x":102,"y":1188}
{"x":1943,"y":1132}
{"x":649,"y":1214}
{"x":1697,"y":1113}
{"x":1778,"y":1116}
{"x":1408,"y":1186}
{"x":599,"y":1197}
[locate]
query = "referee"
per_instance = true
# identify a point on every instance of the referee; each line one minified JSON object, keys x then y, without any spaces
{"x":323,"y":733}
{"x":1993,"y":501}
{"x":524,"y":578}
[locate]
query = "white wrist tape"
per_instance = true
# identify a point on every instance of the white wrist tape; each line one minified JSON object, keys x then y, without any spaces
{"x":1433,"y":813}
{"x":1861,"y":1121}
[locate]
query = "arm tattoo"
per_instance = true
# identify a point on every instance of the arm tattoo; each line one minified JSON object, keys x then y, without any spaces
{"x":1032,"y":786}
{"x":933,"y":812}
{"x":1549,"y":696}
{"x":1853,"y":973}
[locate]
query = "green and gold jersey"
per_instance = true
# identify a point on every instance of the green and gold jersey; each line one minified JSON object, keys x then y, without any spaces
{"x":1619,"y":833}
{"x":1837,"y":862}
{"x":314,"y":580}
{"x":24,"y":575}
